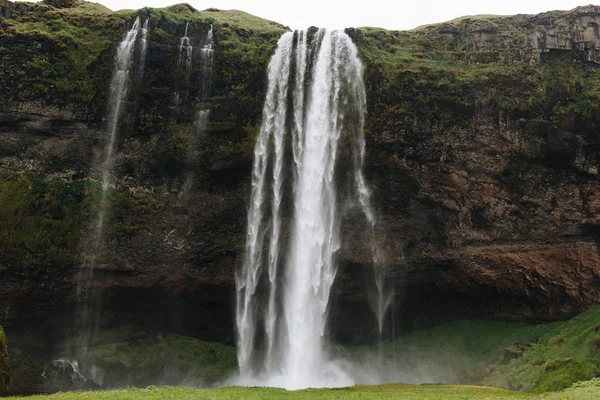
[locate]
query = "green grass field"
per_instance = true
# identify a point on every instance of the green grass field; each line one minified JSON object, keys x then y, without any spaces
{"x":588,"y":391}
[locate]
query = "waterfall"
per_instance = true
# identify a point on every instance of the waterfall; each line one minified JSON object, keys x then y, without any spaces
{"x":185,"y":63}
{"x":185,"y":51}
{"x":88,"y":309}
{"x":201,"y":123}
{"x":207,"y":53}
{"x":118,"y":93}
{"x":327,"y":102}
{"x":385,"y":294}
{"x":144,"y":50}
{"x":274,"y":116}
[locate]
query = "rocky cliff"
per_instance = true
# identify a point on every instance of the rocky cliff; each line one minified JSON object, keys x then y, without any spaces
{"x":482,"y":155}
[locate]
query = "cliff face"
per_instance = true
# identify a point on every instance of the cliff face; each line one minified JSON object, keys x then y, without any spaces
{"x":524,"y":38}
{"x":481,"y":152}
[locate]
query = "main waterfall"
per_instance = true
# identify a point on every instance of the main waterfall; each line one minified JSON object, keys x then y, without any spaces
{"x":315,"y":96}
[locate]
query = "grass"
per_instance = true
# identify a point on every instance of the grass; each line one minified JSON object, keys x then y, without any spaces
{"x":431,"y":392}
{"x":395,"y":391}
{"x":243,"y":20}
{"x":514,"y":356}
{"x":567,"y":353}
{"x":185,"y":356}
{"x":452,"y":353}
{"x":460,"y":348}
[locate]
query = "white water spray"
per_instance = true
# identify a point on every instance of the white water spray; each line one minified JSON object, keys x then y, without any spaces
{"x":327,"y":101}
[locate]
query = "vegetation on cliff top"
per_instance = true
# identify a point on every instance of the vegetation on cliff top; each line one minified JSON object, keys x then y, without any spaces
{"x":61,"y":57}
{"x":408,"y":78}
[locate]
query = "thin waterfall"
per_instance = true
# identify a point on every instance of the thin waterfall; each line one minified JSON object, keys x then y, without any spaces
{"x":201,"y":123}
{"x":207,"y":54}
{"x":144,"y":45}
{"x":89,"y":308}
{"x":327,"y":101}
{"x":385,"y":294}
{"x":118,"y":93}
{"x":185,"y":64}
{"x":185,"y":51}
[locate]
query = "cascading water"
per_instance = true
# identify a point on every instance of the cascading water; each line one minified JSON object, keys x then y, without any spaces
{"x":207,"y":54}
{"x":201,"y":123}
{"x":144,"y":45}
{"x":89,"y":307}
{"x":274,"y":117}
{"x":185,"y":51}
{"x":324,"y":83}
{"x":385,"y":294}
{"x":118,"y":93}
{"x":185,"y":63}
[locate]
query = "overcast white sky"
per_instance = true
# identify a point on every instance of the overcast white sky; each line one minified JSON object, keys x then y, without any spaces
{"x":390,"y":14}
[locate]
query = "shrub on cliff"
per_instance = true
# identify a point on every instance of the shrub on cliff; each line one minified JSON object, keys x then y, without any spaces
{"x":5,"y":375}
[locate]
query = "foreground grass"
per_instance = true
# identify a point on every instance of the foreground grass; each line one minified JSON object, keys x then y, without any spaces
{"x":432,"y":392}
{"x":396,"y":391}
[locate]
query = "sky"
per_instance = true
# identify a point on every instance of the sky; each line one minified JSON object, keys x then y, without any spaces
{"x":336,"y":14}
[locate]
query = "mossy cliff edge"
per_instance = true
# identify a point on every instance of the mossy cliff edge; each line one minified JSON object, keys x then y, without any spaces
{"x":482,"y":156}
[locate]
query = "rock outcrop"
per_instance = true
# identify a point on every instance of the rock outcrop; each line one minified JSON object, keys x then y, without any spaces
{"x":525,"y":38}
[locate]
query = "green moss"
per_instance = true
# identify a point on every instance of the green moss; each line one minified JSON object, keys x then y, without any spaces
{"x":461,"y":349}
{"x":567,"y":353}
{"x":41,"y":222}
{"x":5,"y":372}
{"x":156,"y":355}
{"x":561,"y":374}
{"x":57,"y":56}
